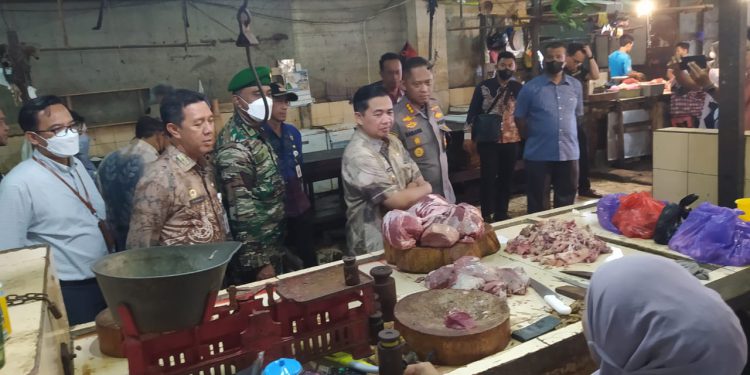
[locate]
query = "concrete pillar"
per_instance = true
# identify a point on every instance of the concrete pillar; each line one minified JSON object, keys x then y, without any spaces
{"x":418,"y":32}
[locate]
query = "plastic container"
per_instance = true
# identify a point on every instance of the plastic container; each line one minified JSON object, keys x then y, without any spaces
{"x":283,"y":366}
{"x":744,"y":205}
{"x":5,"y":326}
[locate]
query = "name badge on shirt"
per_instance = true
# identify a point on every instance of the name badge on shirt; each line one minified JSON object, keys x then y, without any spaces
{"x":413,"y":132}
{"x":198,"y":200}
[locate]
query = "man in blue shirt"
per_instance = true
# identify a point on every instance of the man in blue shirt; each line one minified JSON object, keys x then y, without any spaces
{"x":620,"y":63}
{"x":286,"y":142}
{"x":50,"y":199}
{"x":546,"y":111}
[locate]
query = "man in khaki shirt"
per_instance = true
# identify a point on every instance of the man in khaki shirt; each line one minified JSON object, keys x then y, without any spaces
{"x":378,"y":174}
{"x":176,"y":201}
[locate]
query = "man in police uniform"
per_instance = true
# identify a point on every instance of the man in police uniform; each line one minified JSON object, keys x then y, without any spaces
{"x":418,"y":122}
{"x":251,"y":183}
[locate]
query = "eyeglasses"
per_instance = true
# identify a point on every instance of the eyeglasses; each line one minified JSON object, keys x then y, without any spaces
{"x":61,"y":131}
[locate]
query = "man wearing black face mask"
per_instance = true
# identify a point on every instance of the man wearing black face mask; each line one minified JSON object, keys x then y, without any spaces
{"x":497,"y":141}
{"x":546,"y":112}
{"x":581,"y":65}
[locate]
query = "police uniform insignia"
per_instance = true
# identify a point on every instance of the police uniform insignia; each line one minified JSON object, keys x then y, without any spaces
{"x":408,"y":118}
{"x":417,"y":141}
{"x":419,"y":152}
{"x":411,"y":124}
{"x":413,"y":132}
{"x":438,"y":114}
{"x":193,"y":193}
{"x":410,"y":108}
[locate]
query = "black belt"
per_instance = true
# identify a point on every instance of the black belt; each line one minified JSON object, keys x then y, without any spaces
{"x":78,"y":282}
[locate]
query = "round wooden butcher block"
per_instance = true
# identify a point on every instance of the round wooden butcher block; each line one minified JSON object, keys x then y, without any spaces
{"x":110,"y":335}
{"x":420,"y":317}
{"x":426,"y":259}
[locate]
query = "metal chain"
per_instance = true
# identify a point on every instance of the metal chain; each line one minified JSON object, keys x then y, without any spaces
{"x":16,"y":299}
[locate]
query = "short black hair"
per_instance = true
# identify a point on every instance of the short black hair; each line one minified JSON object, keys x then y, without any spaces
{"x":172,"y":105}
{"x":148,"y":126}
{"x":506,"y":55}
{"x":574,"y":47}
{"x":626,"y":39}
{"x":389,"y":56}
{"x":553,"y":45}
{"x":361,"y":99}
{"x":162,"y":90}
{"x":415,"y":62}
{"x":28,"y":116}
{"x":683,"y":45}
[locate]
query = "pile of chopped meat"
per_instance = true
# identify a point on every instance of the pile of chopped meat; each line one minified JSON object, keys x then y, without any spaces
{"x":469,"y":273}
{"x":433,"y":222}
{"x":557,"y":243}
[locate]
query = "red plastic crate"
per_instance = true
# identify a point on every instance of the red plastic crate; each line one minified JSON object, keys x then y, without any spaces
{"x":327,"y":325}
{"x":228,"y":343}
{"x":306,"y":322}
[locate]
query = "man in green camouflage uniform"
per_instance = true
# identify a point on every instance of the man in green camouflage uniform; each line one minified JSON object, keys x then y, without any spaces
{"x":252,"y":185}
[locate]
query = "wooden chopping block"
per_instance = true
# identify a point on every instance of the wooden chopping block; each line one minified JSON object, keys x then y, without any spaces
{"x":110,"y":335}
{"x":426,"y":259}
{"x":420,"y":318}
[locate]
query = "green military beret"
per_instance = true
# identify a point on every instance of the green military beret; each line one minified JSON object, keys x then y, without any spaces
{"x":245,"y":78}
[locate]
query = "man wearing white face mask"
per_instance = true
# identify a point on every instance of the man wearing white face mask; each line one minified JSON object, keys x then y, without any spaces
{"x":251,"y":182}
{"x":50,"y":199}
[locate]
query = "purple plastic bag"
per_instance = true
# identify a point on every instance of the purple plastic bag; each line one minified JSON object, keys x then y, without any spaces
{"x":713,"y":234}
{"x":605,"y":210}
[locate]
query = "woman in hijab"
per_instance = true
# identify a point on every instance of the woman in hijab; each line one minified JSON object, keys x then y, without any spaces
{"x":646,"y":315}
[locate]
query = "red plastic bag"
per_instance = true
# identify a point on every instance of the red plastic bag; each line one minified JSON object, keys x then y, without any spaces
{"x":637,"y":215}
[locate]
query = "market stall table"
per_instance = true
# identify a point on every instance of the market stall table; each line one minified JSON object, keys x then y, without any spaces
{"x":319,"y":166}
{"x":563,"y":350}
{"x":40,"y":341}
{"x":628,"y":134}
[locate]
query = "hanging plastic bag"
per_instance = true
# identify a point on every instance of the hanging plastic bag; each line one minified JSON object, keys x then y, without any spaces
{"x":637,"y":215}
{"x":671,"y":218}
{"x":713,"y":234}
{"x":606,"y":208}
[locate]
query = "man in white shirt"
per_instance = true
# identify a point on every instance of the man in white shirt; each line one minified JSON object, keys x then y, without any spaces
{"x":50,"y":199}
